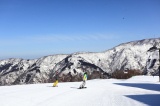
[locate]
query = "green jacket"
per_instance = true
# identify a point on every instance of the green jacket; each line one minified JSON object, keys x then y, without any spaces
{"x":84,"y":77}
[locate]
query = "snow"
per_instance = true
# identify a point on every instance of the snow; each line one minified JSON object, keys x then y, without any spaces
{"x":136,"y":91}
{"x":132,"y":56}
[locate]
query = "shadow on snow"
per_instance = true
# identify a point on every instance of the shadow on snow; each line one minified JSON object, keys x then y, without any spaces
{"x":154,"y":87}
{"x":149,"y":99}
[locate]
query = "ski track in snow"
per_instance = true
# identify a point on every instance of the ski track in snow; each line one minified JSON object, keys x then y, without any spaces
{"x":99,"y":92}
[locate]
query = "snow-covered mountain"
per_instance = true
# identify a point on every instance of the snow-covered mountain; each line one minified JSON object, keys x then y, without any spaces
{"x":131,"y":55}
{"x":153,"y":61}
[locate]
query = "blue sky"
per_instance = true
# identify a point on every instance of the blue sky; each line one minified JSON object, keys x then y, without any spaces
{"x":34,"y":28}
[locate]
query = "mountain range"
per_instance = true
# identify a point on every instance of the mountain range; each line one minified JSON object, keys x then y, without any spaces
{"x":70,"y":67}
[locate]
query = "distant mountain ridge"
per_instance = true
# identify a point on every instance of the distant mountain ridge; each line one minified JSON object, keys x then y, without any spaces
{"x":130,"y":55}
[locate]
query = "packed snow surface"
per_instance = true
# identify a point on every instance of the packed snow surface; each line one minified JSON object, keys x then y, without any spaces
{"x":136,"y":91}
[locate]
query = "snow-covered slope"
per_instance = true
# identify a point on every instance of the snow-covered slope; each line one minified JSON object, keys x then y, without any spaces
{"x":137,"y":91}
{"x":153,"y":61}
{"x":131,"y":55}
{"x":20,"y":71}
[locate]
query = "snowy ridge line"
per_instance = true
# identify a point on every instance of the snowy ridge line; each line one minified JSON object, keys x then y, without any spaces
{"x":131,"y":56}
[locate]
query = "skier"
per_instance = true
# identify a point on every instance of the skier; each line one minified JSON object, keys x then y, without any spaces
{"x":84,"y":81}
{"x":55,"y":84}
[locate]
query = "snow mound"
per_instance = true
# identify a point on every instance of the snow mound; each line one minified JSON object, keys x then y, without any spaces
{"x":144,"y":79}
